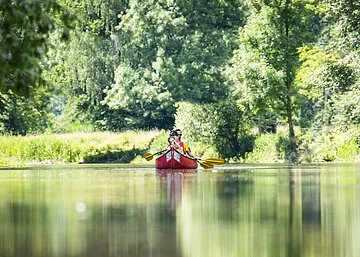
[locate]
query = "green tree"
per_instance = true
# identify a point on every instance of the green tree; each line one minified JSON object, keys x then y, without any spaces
{"x":83,"y":68}
{"x":343,"y":39}
{"x":342,"y":18}
{"x":329,"y":76}
{"x":25,"y":27}
{"x":209,"y":41}
{"x":175,"y":51}
{"x":23,"y":115}
{"x":263,"y":68}
{"x":145,"y":41}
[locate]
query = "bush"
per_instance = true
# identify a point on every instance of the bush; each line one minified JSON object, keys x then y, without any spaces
{"x":23,"y":115}
{"x":159,"y":142}
{"x":330,"y":144}
{"x":265,"y":149}
{"x":218,"y":126}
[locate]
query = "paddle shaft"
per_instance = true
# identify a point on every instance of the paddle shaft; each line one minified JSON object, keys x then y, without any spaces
{"x":159,"y":152}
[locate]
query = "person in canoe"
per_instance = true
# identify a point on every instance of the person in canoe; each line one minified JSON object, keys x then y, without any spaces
{"x":176,"y":142}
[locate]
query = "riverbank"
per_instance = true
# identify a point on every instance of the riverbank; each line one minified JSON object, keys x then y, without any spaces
{"x":330,"y":145}
{"x":80,"y":147}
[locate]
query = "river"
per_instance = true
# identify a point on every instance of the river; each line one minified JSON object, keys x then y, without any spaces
{"x":232,"y":210}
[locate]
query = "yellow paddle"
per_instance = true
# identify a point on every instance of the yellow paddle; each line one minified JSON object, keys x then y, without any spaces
{"x":215,"y":160}
{"x":148,"y":156}
{"x":205,"y":164}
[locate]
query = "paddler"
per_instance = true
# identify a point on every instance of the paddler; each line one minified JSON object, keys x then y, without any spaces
{"x":176,"y":142}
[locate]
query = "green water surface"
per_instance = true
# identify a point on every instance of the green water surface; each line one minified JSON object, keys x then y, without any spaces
{"x":247,"y":210}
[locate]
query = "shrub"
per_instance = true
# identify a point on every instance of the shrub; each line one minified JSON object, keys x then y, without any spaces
{"x":265,"y":149}
{"x":330,"y":144}
{"x":217,"y":126}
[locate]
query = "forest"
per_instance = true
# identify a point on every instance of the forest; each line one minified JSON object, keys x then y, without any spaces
{"x":230,"y":73}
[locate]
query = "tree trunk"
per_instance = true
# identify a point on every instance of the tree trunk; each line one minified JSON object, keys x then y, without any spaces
{"x":289,"y":79}
{"x":289,"y":111}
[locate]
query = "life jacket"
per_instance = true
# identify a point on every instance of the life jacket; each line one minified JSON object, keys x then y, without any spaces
{"x":184,"y":147}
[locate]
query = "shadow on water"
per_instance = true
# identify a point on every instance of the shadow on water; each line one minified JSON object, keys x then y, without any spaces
{"x":122,"y":156}
{"x":234,"y":185}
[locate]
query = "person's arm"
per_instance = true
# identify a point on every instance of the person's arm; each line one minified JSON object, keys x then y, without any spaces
{"x":174,"y":144}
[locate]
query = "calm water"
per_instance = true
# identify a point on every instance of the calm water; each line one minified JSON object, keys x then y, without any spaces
{"x":258,"y":211}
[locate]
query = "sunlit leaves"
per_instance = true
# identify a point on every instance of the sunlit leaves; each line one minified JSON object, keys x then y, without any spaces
{"x":165,"y":48}
{"x":263,"y":68}
{"x":329,"y":74}
{"x":314,"y":62}
{"x":255,"y":82}
{"x":141,"y":95}
{"x":330,"y":83}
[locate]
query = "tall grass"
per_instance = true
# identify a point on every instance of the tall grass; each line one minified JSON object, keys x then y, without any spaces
{"x":68,"y":148}
{"x":329,"y":144}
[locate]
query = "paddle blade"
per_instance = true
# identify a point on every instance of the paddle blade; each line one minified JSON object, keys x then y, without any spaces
{"x":148,"y":156}
{"x":215,"y":160}
{"x":206,"y":165}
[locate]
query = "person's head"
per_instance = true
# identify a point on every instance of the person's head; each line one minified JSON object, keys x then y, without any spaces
{"x":176,"y":133}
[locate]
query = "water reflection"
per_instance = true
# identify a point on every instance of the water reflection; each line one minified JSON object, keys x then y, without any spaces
{"x":109,"y":211}
{"x":281,"y":213}
{"x":174,"y":184}
{"x":85,"y":213}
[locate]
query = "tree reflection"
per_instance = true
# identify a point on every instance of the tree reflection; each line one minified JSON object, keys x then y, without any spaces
{"x":135,"y":213}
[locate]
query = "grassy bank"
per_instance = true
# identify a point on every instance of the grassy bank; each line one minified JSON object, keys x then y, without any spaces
{"x":74,"y":147}
{"x":331,"y":144}
{"x":326,"y":145}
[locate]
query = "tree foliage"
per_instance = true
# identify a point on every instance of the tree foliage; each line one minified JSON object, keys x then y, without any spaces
{"x":172,"y":57}
{"x":343,"y":30}
{"x":24,"y":29}
{"x":219,"y":125}
{"x":264,"y":66}
{"x":82,"y":68}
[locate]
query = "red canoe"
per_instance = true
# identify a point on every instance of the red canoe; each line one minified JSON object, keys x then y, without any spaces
{"x":172,"y":159}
